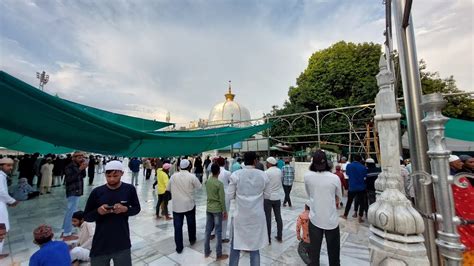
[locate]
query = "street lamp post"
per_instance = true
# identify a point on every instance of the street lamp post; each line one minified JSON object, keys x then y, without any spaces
{"x":43,"y":77}
{"x":317,"y":124}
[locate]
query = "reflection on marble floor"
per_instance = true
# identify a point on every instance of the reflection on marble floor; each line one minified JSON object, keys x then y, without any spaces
{"x":152,"y":240}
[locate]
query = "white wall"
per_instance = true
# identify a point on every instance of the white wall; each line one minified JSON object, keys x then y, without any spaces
{"x":300,"y":169}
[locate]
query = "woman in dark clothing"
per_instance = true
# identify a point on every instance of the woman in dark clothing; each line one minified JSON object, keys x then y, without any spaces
{"x":198,"y":169}
{"x":26,"y":168}
{"x":91,"y":169}
{"x":58,"y":170}
{"x":207,"y":162}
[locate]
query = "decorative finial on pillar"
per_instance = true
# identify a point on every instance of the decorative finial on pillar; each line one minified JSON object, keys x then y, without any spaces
{"x":384,"y":77}
{"x":229,"y":96}
{"x":396,"y":227}
{"x":382,"y":62}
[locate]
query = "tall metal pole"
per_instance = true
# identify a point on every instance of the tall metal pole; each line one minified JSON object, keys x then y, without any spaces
{"x":417,"y":136}
{"x":448,"y":240}
{"x":349,"y":155}
{"x":268,"y":139}
{"x":232,"y":145}
{"x":317,"y":124}
{"x":43,"y":78}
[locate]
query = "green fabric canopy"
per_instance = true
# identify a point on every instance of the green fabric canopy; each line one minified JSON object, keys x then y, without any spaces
{"x":455,"y":128}
{"x":124,"y":120}
{"x":460,"y":129}
{"x":195,"y":133}
{"x":36,"y":118}
{"x":190,"y":143}
{"x":17,"y":142}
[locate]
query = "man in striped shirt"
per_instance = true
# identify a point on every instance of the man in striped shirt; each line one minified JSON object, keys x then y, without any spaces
{"x":287,"y":179}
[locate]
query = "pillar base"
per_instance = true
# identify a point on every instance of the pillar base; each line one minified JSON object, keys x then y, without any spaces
{"x":384,"y":252}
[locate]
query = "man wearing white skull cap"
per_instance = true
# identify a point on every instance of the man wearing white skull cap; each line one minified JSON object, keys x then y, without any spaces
{"x":110,"y":206}
{"x":182,"y":185}
{"x":6,"y":166}
{"x":455,"y":164}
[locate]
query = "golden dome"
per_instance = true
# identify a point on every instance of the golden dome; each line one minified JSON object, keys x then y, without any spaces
{"x":229,"y":111}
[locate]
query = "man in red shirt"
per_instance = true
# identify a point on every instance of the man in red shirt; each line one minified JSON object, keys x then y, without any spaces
{"x":340,"y":174}
{"x":465,"y":210}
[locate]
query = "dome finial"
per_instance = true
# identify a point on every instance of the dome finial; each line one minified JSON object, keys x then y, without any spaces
{"x":229,"y":96}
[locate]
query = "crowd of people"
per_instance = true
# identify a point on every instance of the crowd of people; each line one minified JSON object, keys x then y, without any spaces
{"x":258,"y":192}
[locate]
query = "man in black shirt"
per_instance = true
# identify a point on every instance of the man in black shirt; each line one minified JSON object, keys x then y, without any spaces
{"x":74,"y":175}
{"x":372,"y":175}
{"x":109,"y":206}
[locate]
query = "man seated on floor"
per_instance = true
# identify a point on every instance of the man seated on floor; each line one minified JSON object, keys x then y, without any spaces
{"x":80,"y":252}
{"x":51,"y":252}
{"x":24,"y":191}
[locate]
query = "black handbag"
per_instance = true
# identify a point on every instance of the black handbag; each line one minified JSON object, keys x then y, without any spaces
{"x":303,"y":251}
{"x":168,"y":195}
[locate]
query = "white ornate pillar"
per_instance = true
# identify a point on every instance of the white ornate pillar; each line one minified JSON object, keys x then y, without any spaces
{"x":448,"y":241}
{"x":396,"y":227}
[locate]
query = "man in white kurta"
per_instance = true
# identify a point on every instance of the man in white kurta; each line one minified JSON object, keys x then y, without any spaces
{"x":81,"y":252}
{"x":46,"y":176}
{"x":249,"y":230}
{"x":273,"y":202}
{"x":182,"y":186}
{"x":6,"y":166}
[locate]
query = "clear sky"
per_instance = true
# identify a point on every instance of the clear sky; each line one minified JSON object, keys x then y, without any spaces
{"x":148,"y":57}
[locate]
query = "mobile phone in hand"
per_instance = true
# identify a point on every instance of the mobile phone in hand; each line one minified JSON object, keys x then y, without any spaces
{"x":109,"y":207}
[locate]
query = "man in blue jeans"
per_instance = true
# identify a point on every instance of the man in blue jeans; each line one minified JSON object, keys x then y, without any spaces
{"x":216,"y":211}
{"x":357,"y":173}
{"x":74,"y":179}
{"x":182,"y":186}
{"x":134,"y":166}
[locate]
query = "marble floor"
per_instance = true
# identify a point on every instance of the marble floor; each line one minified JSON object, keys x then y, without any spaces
{"x":152,"y":240}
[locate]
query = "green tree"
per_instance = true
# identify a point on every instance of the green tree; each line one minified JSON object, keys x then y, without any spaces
{"x":344,"y":75}
{"x":338,"y":76}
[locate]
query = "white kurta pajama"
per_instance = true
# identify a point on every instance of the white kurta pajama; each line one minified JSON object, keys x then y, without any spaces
{"x":84,"y":242}
{"x":248,"y":187}
{"x":224,"y":177}
{"x":5,"y":199}
{"x":46,"y":177}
